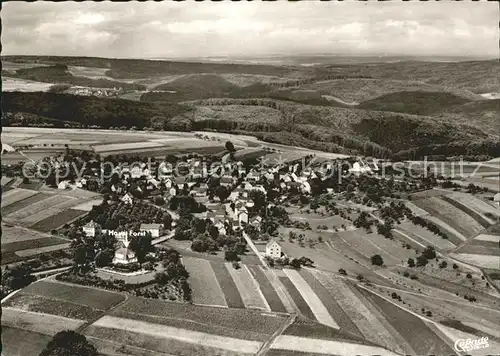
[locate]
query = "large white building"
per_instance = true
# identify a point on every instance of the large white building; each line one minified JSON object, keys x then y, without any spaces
{"x":91,"y":229}
{"x":273,"y":249}
{"x":156,"y":230}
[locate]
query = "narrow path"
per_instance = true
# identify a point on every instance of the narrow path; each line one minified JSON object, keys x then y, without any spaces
{"x":267,"y":345}
{"x":81,"y":328}
{"x":254,"y":249}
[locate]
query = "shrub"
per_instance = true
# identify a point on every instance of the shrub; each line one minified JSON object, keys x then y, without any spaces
{"x":443,"y":264}
{"x":455,"y":266}
{"x":406,"y":274}
{"x":342,"y":272}
{"x":469,"y":276}
{"x":377,"y":260}
{"x":411,"y":262}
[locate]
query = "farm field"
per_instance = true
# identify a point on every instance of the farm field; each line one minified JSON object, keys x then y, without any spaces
{"x":11,"y":234}
{"x":279,"y":288}
{"x":228,"y":287}
{"x":419,"y":336}
{"x":489,"y":238}
{"x":91,"y":297}
{"x":17,"y":342}
{"x":169,"y":339}
{"x":445,"y":309}
{"x":469,"y":210}
{"x":331,"y":255}
{"x":341,"y":318}
{"x":46,"y":305}
{"x":248,"y":288}
{"x":57,"y":219}
{"x":453,"y":235}
{"x":445,"y":281}
{"x":15,"y":195}
{"x":424,"y":236}
{"x":22,"y":85}
{"x":31,"y":211}
{"x":237,"y":323}
{"x":372,"y":328}
{"x":483,"y":261}
{"x":297,"y":297}
{"x":206,"y":288}
{"x":480,"y":248}
{"x":415,"y":209}
{"x":270,"y":294}
{"x":37,"y":322}
{"x":317,"y":307}
{"x":451,"y":215}
{"x":89,"y":72}
{"x":475,"y":203}
{"x":325,"y":347}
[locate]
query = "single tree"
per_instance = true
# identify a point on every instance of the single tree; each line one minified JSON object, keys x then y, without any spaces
{"x":377,"y":260}
{"x":69,"y":343}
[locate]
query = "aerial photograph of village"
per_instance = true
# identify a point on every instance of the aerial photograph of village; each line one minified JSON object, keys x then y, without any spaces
{"x":267,"y":178}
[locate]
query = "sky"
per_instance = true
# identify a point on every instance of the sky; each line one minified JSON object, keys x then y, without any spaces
{"x":201,"y":29}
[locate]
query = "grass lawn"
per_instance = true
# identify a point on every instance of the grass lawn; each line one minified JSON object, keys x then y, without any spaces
{"x":57,"y":220}
{"x":328,"y":300}
{"x":206,"y":288}
{"x":227,"y":285}
{"x":248,"y":287}
{"x":267,"y":289}
{"x":245,"y":320}
{"x":94,"y":298}
{"x":17,"y":342}
{"x":37,"y":303}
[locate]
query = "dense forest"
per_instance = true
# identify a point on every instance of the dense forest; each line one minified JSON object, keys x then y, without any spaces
{"x":351,"y":131}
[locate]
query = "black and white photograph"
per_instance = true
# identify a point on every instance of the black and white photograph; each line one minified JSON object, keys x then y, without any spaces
{"x":250,"y":178}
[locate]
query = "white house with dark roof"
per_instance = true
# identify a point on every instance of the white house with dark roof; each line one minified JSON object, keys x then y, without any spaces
{"x":273,"y":249}
{"x":127,"y":199}
{"x":496,"y":199}
{"x":91,"y":229}
{"x":156,"y":230}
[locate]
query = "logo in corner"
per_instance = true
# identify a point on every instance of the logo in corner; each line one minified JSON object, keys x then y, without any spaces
{"x":466,"y":345}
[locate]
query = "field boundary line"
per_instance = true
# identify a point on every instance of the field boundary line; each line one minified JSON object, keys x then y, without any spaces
{"x":257,"y":287}
{"x":153,"y":353}
{"x":267,"y":345}
{"x":280,"y":289}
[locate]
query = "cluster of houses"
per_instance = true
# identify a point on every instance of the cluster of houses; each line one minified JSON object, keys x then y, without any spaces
{"x":161,"y":180}
{"x":86,"y":91}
